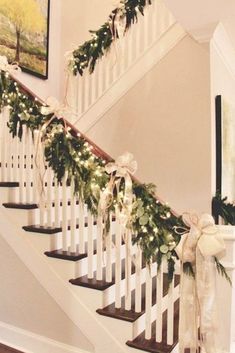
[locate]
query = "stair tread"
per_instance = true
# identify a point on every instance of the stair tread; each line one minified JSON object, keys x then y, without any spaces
{"x":151,"y":345}
{"x":6,"y":349}
{"x":9,"y":184}
{"x":42,"y":229}
{"x":131,"y":315}
{"x":21,"y":206}
{"x":93,"y":283}
{"x":65,"y":255}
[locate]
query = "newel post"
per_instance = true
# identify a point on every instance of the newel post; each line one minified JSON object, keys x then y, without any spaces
{"x":226,"y":293}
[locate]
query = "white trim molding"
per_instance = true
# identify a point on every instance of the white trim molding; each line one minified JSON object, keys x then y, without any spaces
{"x":224,"y":47}
{"x":30,"y":342}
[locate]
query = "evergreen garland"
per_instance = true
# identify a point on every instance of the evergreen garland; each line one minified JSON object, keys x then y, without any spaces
{"x":67,"y":152}
{"x":226,"y":210}
{"x":89,"y":52}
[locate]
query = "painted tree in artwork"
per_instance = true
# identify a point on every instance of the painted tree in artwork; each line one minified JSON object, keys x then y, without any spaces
{"x":26,"y":17}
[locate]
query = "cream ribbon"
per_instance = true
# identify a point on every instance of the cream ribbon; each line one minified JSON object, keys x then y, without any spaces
{"x":6,"y":67}
{"x":123,"y":168}
{"x":199,"y":246}
{"x":53,"y":106}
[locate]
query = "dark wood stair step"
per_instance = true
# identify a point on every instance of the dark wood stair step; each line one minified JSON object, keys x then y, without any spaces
{"x":42,"y":229}
{"x":101,"y":285}
{"x":50,"y":230}
{"x":65,"y":255}
{"x":9,"y":184}
{"x":21,"y":206}
{"x":151,"y":345}
{"x":131,"y":315}
{"x":6,"y":349}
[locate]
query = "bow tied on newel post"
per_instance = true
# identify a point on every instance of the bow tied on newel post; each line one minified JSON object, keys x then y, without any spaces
{"x":199,"y":250}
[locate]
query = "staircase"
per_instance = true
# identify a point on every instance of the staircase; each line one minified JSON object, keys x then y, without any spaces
{"x":105,"y":280}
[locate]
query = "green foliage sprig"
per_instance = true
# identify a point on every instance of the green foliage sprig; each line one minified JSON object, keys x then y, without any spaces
{"x":226,"y":210}
{"x":89,"y":52}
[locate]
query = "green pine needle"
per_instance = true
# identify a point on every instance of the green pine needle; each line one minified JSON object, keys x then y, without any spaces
{"x":222,"y":271}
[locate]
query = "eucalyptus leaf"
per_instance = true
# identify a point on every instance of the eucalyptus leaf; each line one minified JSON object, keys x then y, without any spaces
{"x":144,"y":220}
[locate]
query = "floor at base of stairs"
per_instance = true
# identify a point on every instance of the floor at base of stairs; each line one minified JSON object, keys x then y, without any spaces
{"x":6,"y":349}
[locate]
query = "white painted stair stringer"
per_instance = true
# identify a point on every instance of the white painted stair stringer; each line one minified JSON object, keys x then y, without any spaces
{"x":134,"y":73}
{"x":88,"y":321}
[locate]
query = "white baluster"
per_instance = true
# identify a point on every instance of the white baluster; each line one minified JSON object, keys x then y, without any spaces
{"x":28,"y":152}
{"x":90,"y":245}
{"x":118,"y":262}
{"x":170,"y":315}
{"x":100,"y":68}
{"x":9,"y":156}
{"x":159,"y":289}
{"x":79,"y":96}
{"x":22,"y":168}
{"x":128,"y":262}
{"x":146,"y":29}
{"x":15,"y":156}
{"x":49,"y":197}
{"x":81,"y":228}
{"x":108,"y":242}
{"x":86,"y":78}
{"x":65,"y":240}
{"x":138,"y":293}
{"x":73,"y":247}
{"x":4,"y":133}
{"x":148,"y":304}
{"x":99,"y":248}
{"x":57,"y":202}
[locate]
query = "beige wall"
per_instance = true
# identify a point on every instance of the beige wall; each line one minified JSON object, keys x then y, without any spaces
{"x":25,"y":304}
{"x":165,"y":121}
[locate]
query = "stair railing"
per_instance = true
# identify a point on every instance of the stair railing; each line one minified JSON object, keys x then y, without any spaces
{"x":113,"y":259}
{"x":87,"y":89}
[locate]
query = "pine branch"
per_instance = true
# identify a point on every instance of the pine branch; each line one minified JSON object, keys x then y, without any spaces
{"x":222,"y":271}
{"x":188,"y":269}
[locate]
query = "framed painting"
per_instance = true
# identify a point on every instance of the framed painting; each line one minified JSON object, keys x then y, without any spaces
{"x":24,"y":34}
{"x":225,"y":148}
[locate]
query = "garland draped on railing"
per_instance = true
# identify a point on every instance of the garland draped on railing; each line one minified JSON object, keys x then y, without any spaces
{"x":67,"y":151}
{"x":153,"y":225}
{"x":119,"y":21}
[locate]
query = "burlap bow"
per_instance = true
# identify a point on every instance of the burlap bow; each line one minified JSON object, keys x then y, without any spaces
{"x":199,"y":246}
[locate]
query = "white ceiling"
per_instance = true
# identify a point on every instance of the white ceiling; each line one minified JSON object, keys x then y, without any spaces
{"x":198,"y":14}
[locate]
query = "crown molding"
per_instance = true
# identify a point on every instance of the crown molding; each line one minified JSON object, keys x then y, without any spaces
{"x":203,"y":34}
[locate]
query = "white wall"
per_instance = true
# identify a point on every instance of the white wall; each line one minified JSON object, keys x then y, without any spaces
{"x":26,"y":305}
{"x":165,"y":121}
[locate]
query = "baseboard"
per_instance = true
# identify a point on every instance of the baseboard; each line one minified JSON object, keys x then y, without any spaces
{"x":29,"y":342}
